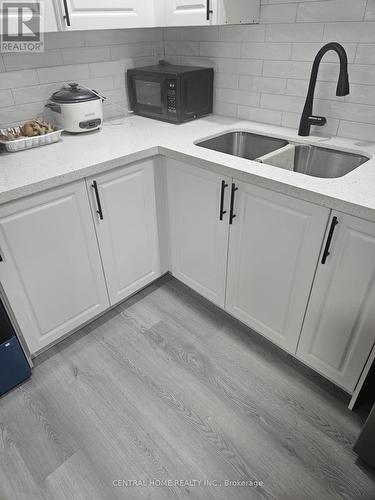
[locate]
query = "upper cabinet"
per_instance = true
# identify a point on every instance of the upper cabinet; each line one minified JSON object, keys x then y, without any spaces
{"x":208,"y":12}
{"x":188,"y":12}
{"x":106,"y":14}
{"x":117,"y":14}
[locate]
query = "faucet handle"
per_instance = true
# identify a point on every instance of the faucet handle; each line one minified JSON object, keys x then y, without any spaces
{"x":318,"y":121}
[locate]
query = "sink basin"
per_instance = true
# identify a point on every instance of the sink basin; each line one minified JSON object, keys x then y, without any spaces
{"x":323,"y":162}
{"x":243,"y":144}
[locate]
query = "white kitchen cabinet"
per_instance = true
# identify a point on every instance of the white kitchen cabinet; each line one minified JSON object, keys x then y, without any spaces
{"x":339,"y":329}
{"x":50,"y":269}
{"x":106,"y":14}
{"x":274,"y":246}
{"x":127,"y":232}
{"x":209,"y":12}
{"x":199,"y":239}
{"x":189,"y":12}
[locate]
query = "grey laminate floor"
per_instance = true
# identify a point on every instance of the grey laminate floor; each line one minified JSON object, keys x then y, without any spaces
{"x":166,"y":386}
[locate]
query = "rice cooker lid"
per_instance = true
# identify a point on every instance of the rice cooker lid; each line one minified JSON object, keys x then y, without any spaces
{"x":74,"y":94}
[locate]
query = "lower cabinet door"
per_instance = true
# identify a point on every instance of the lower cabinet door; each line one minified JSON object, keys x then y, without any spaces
{"x":274,"y":246}
{"x":199,"y":239}
{"x":123,"y":204}
{"x":51,"y":270}
{"x":339,"y":329}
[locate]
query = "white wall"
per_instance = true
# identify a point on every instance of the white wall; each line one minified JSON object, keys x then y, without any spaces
{"x":262,"y":71}
{"x":97,"y":59}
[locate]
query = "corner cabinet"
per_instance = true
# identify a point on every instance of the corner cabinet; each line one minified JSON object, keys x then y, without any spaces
{"x":209,"y":12}
{"x":124,"y":208}
{"x":50,"y":265}
{"x":106,"y":14}
{"x":274,"y":247}
{"x":339,"y":329}
{"x":198,"y":220}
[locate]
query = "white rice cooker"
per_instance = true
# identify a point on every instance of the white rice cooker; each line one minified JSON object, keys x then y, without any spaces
{"x":76,"y":109}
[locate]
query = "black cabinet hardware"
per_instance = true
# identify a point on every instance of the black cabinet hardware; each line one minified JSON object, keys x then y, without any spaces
{"x":222,"y":211}
{"x":326,"y":252}
{"x":66,"y":17}
{"x":232,"y":215}
{"x":208,"y":10}
{"x":96,"y":190}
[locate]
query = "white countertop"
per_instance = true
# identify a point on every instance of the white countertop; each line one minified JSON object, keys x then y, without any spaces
{"x":133,"y":138}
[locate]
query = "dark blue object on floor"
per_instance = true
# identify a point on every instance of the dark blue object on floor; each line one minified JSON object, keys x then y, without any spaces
{"x":14,"y":367}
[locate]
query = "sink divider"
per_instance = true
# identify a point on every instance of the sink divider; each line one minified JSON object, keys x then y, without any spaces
{"x":282,"y":158}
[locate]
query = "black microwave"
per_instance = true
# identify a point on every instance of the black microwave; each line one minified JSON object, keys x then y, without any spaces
{"x":171,"y":93}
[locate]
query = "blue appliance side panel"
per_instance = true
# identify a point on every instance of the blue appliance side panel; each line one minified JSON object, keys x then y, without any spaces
{"x":14,"y":367}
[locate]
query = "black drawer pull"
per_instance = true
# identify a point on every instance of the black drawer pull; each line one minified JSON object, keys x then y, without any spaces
{"x":232,"y":215}
{"x":326,"y":252}
{"x":66,"y":17}
{"x":99,"y":205}
{"x":208,"y":10}
{"x":222,"y":211}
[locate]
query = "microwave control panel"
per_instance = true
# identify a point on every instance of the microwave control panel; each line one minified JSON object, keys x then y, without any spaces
{"x":171,"y":95}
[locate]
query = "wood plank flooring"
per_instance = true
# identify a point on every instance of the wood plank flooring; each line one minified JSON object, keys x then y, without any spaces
{"x":167,"y":386}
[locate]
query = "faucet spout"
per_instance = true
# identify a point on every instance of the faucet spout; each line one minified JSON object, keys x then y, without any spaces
{"x":307,"y":118}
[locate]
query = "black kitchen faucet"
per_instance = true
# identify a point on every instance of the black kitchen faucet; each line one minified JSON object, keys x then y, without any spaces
{"x":307,"y":118}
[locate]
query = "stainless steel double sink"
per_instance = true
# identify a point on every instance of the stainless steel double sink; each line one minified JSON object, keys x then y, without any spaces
{"x":304,"y":158}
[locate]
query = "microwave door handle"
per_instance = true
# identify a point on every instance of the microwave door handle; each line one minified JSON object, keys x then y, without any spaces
{"x":164,"y":98}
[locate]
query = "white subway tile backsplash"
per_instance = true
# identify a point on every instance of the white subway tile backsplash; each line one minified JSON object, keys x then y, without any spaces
{"x":6,"y":98}
{"x":287,"y":69}
{"x":261,"y":70}
{"x":239,"y":66}
{"x":263,"y":84}
{"x":64,"y":40}
{"x":63,"y":73}
{"x":15,"y":79}
{"x":181,"y":48}
{"x":86,"y":55}
{"x":259,"y":115}
{"x":278,"y":13}
{"x":245,"y":33}
{"x":220,"y":49}
{"x":331,"y":10}
{"x":370,"y":11}
{"x":225,"y":108}
{"x":237,"y":97}
{"x":226,"y":80}
{"x":282,"y":102}
{"x":365,"y":54}
{"x":266,"y":50}
{"x":32,"y":60}
{"x":361,"y":131}
{"x":307,"y":52}
{"x":360,"y":32}
{"x":306,"y":32}
{"x":131,"y":50}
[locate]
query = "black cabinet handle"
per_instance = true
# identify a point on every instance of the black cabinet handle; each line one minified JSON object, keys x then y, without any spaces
{"x":208,"y":10}
{"x":222,"y":211}
{"x":232,"y":215}
{"x":326,"y":252}
{"x":66,"y":17}
{"x":96,"y":190}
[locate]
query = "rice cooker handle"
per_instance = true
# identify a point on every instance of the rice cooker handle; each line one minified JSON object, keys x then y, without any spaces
{"x":55,"y":107}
